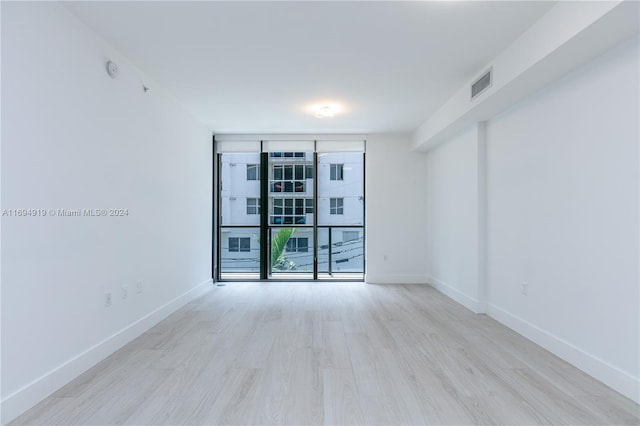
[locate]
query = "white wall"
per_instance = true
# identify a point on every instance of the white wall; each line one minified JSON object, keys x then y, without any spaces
{"x":73,"y":138}
{"x":562,"y":216}
{"x":563,"y":213}
{"x":452,"y":218}
{"x":395,"y":210}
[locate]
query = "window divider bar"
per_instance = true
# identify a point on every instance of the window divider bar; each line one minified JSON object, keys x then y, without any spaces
{"x":216,"y":222}
{"x":315,"y":210}
{"x":364,"y":215}
{"x":264,"y":215}
{"x":329,"y":251}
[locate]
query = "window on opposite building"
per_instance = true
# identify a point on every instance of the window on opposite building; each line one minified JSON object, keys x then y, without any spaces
{"x":239,"y":244}
{"x":253,"y":205}
{"x":336,"y":206}
{"x":298,"y":245}
{"x":336,"y":171}
{"x":290,"y":211}
{"x":253,"y":172}
{"x":350,"y":235}
{"x":292,"y":172}
{"x":287,"y":154}
{"x":290,"y":177}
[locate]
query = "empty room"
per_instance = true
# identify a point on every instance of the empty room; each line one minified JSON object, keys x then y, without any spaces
{"x":320,"y":212}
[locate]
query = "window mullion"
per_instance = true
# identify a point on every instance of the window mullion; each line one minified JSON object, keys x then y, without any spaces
{"x":264,"y":216}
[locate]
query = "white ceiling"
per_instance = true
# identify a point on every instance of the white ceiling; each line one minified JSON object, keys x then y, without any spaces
{"x":251,"y":67}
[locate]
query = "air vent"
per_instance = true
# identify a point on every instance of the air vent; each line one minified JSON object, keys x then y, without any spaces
{"x":482,"y":84}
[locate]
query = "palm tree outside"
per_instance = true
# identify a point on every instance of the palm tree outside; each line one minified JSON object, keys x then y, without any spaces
{"x":279,"y":241}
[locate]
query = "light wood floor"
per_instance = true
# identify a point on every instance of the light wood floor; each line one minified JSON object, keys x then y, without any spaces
{"x":331,"y":353}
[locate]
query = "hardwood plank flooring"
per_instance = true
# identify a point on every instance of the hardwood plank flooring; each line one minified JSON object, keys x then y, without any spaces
{"x":331,"y":353}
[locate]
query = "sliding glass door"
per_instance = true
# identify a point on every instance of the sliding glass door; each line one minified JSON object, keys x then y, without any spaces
{"x":340,"y":215}
{"x":290,"y":211}
{"x":291,"y":214}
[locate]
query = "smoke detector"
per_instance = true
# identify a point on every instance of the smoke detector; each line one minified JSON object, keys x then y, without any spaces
{"x":112,"y":69}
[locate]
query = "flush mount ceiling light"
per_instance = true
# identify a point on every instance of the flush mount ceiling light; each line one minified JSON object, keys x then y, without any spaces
{"x":324,"y":111}
{"x":322,"y":108}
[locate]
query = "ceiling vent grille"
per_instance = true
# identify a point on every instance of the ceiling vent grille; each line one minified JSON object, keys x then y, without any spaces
{"x":482,"y":83}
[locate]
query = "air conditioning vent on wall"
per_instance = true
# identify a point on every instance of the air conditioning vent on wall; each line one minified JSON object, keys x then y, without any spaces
{"x":482,"y":83}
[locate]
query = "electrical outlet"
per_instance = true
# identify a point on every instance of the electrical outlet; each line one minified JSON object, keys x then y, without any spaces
{"x":139,"y":287}
{"x":525,"y":288}
{"x":125,"y":292}
{"x":107,"y":299}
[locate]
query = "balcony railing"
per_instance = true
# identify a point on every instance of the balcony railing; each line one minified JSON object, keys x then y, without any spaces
{"x":281,"y":219}
{"x":288,"y":186}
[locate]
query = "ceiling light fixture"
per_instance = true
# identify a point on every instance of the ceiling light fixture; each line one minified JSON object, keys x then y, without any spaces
{"x":324,"y":111}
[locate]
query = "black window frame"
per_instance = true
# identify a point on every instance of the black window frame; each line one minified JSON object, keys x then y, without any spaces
{"x":222,"y":273}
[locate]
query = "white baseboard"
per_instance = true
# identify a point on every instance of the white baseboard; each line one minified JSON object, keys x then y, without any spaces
{"x":608,"y":374}
{"x":395,"y":279}
{"x":20,"y":401}
{"x":465,"y":300}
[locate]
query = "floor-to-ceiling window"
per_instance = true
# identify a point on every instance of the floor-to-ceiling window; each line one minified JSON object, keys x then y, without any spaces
{"x":340,"y":214}
{"x":239,"y":215}
{"x":290,"y":210}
